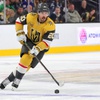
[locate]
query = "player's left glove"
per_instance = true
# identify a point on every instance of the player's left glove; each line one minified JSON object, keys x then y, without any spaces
{"x":21,"y":37}
{"x":34,"y":51}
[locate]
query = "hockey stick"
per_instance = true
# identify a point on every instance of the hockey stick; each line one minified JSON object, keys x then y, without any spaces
{"x":45,"y":68}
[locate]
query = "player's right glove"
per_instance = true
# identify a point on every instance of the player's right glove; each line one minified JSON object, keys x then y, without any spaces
{"x":21,"y":37}
{"x":34,"y":51}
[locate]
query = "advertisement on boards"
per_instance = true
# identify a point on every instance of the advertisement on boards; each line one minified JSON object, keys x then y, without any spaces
{"x":88,"y":35}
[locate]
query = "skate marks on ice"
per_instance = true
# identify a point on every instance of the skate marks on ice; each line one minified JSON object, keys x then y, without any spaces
{"x":45,"y":90}
{"x":81,"y":79}
{"x":78,"y":84}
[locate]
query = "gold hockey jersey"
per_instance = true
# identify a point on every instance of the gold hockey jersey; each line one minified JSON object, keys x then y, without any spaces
{"x":40,"y":34}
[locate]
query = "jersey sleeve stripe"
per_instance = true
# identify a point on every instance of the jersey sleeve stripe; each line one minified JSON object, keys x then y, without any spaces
{"x":47,"y":42}
{"x":18,"y":23}
{"x":22,"y":65}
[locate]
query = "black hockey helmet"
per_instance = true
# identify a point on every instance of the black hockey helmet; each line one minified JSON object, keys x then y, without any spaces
{"x":43,"y":8}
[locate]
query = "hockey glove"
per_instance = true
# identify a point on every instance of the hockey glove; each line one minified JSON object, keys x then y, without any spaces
{"x":21,"y":37}
{"x":34,"y":51}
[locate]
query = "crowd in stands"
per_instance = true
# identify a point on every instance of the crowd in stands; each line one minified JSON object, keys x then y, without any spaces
{"x":75,"y":11}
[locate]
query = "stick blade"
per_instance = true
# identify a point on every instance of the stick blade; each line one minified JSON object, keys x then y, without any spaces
{"x":61,"y":84}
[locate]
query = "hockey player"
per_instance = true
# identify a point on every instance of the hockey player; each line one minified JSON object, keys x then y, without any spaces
{"x":40,"y":33}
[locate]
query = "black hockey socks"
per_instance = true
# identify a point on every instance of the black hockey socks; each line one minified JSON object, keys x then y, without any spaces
{"x":9,"y":79}
{"x":17,"y":80}
{"x":20,"y":71}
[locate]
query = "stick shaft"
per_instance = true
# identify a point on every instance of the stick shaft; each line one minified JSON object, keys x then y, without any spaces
{"x":44,"y":66}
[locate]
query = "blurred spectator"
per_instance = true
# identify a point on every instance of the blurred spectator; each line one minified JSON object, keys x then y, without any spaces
{"x":11,"y":17}
{"x":8,"y":5}
{"x":43,"y":1}
{"x":25,"y":3}
{"x":84,"y":13}
{"x":28,"y":9}
{"x":84,"y":8}
{"x":58,"y":3}
{"x":13,"y":3}
{"x":56,"y":16}
{"x":1,"y":6}
{"x":9,"y":13}
{"x":72,"y":15}
{"x":36,"y":4}
{"x":17,"y":4}
{"x":19,"y":12}
{"x":69,"y":1}
{"x":1,"y":17}
{"x":90,"y":16}
{"x":54,"y":4}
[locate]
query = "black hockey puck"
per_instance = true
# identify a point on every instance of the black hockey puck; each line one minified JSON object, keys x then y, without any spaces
{"x":56,"y":91}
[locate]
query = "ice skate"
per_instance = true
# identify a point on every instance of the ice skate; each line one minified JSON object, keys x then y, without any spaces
{"x":15,"y":84}
{"x":4,"y":83}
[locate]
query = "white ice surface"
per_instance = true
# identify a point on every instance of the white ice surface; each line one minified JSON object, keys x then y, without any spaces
{"x":80,"y":71}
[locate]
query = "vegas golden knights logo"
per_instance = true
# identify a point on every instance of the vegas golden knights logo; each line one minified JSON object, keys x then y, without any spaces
{"x":35,"y":35}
